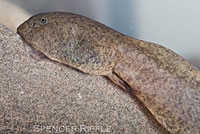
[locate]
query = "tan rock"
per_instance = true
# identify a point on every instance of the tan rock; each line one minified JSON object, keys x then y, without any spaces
{"x":41,"y":96}
{"x":11,"y":15}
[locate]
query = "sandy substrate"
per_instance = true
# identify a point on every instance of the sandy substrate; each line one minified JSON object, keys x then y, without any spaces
{"x":41,"y":96}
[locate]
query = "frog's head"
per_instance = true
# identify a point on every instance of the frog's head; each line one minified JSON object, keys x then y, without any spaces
{"x":30,"y":27}
{"x":46,"y":31}
{"x":35,"y":29}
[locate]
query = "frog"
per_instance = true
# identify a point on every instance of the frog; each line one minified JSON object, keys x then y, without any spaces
{"x":166,"y":84}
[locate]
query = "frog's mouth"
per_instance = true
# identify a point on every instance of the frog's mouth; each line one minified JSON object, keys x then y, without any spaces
{"x":23,"y":30}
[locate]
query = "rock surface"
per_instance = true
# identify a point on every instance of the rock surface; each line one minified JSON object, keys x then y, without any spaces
{"x":38,"y":95}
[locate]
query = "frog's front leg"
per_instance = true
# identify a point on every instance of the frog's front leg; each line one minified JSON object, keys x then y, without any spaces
{"x":117,"y":80}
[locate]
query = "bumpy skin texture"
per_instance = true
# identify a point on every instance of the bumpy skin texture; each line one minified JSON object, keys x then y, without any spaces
{"x":167,"y":85}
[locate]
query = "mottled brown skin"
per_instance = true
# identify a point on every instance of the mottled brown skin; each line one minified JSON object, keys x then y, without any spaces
{"x":167,"y":84}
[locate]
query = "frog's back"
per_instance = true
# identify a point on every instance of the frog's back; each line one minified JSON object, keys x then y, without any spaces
{"x":167,"y":84}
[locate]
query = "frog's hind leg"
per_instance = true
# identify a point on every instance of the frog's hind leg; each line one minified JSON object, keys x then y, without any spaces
{"x":117,"y":80}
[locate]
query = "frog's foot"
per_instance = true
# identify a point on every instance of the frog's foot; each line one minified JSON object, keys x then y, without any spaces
{"x":117,"y":80}
{"x":37,"y":55}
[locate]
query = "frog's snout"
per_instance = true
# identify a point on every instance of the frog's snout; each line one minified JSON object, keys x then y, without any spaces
{"x":20,"y":29}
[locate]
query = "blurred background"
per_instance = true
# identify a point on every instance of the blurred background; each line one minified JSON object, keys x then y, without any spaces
{"x":174,"y":24}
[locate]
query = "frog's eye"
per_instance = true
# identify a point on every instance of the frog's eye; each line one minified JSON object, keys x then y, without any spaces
{"x":31,"y":24}
{"x":43,"y":20}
